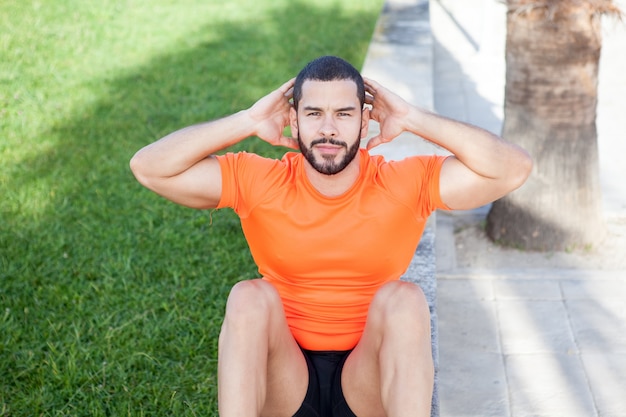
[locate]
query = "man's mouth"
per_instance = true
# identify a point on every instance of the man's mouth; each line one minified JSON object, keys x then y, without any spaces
{"x":328,"y":147}
{"x":328,"y":150}
{"x":335,"y":142}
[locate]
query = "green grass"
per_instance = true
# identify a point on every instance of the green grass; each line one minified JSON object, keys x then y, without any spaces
{"x":111,"y":298}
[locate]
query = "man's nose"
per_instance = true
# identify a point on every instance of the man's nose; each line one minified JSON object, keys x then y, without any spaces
{"x":329,"y":127}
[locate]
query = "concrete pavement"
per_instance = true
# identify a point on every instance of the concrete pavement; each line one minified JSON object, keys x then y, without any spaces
{"x":511,"y":341}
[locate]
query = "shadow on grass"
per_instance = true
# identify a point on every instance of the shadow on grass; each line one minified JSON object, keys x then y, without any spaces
{"x":112,"y":296}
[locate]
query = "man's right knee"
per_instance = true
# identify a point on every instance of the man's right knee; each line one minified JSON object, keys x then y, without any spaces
{"x":251,"y":302}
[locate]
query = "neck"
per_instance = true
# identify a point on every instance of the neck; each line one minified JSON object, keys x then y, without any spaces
{"x":334,"y":185}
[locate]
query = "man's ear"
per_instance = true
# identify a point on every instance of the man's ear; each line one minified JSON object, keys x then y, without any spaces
{"x":293,"y":122}
{"x":365,"y":122}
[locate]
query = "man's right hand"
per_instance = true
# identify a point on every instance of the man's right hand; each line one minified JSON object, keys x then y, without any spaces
{"x":270,"y":116}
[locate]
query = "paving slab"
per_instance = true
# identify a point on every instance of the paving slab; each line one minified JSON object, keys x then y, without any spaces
{"x":473,"y":381}
{"x":597,"y":289}
{"x":599,"y":325}
{"x":473,"y":384}
{"x":530,"y":326}
{"x":548,"y":385}
{"x":460,"y":324}
{"x":521,"y":289}
{"x":606,"y":372}
{"x":452,"y":291}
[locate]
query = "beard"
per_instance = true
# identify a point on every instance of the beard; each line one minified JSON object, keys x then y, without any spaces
{"x":327,"y":165}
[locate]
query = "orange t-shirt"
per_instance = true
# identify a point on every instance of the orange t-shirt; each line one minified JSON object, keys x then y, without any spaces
{"x":327,"y":256}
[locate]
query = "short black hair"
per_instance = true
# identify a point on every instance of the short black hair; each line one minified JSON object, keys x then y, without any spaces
{"x":328,"y":68}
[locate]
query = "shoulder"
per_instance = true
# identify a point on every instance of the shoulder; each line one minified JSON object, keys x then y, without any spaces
{"x":241,"y":162}
{"x":413,"y":180}
{"x":249,"y":177}
{"x":415,"y":168}
{"x":244,"y":157}
{"x":249,"y":171}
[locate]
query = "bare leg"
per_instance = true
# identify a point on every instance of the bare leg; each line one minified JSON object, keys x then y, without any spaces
{"x":390,"y":372}
{"x":261,"y":370}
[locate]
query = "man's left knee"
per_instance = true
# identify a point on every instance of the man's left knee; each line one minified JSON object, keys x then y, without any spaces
{"x":399,"y":299}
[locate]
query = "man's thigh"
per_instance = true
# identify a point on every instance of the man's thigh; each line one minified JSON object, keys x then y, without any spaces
{"x":360,"y":378}
{"x":258,"y":351}
{"x":287,"y":378}
{"x":287,"y":370}
{"x":395,"y":347}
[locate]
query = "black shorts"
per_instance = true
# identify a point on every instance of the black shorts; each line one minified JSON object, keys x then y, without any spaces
{"x":324,"y":397}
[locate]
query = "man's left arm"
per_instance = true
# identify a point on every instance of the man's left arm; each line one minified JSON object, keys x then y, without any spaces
{"x":483,"y":167}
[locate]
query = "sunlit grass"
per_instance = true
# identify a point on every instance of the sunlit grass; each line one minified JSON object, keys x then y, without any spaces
{"x":111,"y":298}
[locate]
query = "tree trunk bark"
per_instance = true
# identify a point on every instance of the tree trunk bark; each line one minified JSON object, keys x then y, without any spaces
{"x":552,"y":58}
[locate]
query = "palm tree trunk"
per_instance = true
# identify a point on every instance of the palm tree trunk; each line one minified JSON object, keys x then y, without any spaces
{"x":552,"y":56}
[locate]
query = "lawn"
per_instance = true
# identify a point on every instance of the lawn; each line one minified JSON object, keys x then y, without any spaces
{"x":111,"y":298}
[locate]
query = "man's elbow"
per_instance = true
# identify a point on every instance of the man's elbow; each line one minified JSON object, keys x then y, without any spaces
{"x":138,"y":168}
{"x":523,"y":169}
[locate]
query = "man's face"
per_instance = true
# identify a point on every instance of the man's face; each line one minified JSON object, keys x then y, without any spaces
{"x":329,"y":124}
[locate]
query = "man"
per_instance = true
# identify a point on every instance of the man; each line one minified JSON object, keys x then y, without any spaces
{"x":329,"y":329}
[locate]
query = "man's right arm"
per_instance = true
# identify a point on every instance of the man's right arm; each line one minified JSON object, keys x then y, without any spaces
{"x":180,"y":166}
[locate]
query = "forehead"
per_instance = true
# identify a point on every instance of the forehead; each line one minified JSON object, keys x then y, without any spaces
{"x":337,"y":92}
